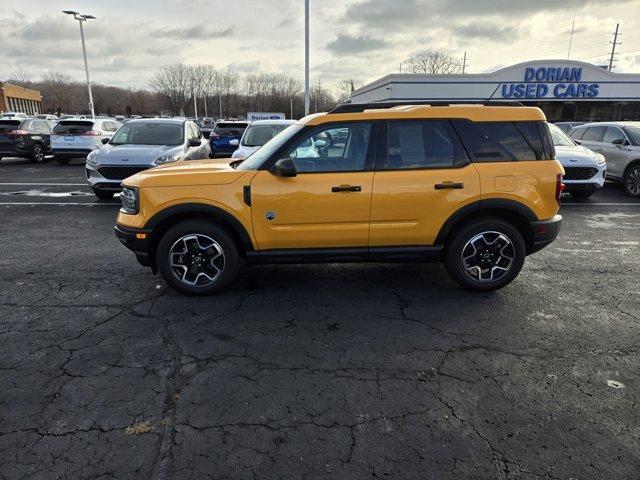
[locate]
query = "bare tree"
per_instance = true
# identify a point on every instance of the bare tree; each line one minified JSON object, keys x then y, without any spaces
{"x":346,"y":89}
{"x":19,"y":76}
{"x":432,"y":62}
{"x":175,"y":82}
{"x":58,"y":91}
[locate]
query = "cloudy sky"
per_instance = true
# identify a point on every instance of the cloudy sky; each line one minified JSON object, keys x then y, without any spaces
{"x":362,"y":39}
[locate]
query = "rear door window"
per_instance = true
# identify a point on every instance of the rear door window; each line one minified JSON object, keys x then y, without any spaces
{"x":72,"y":128}
{"x":422,"y":144}
{"x":9,"y":125}
{"x":593,"y":134}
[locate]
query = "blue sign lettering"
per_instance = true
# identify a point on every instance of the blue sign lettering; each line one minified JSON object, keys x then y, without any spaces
{"x":537,"y":80}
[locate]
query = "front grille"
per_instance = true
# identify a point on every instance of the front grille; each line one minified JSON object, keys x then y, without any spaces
{"x":579,"y":173}
{"x":119,"y":173}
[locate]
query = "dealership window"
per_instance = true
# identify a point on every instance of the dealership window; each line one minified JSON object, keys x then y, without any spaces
{"x":334,"y":148}
{"x":500,"y":141}
{"x":593,"y":134}
{"x":422,"y":144}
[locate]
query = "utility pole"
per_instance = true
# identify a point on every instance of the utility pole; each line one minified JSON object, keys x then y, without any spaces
{"x":205,"y":106}
{"x":400,"y":68}
{"x":81,"y":19}
{"x":307,"y":93}
{"x":464,"y":63}
{"x":291,"y":105}
{"x":195,"y":106}
{"x":573,"y":27}
{"x":220,"y":104}
{"x":613,"y":46}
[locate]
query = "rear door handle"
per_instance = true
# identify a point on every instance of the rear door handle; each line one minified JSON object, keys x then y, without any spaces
{"x":440,"y":186}
{"x":347,"y":188}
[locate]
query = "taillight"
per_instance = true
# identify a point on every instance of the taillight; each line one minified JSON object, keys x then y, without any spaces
{"x":93,"y":133}
{"x":17,"y":133}
{"x":559,"y":187}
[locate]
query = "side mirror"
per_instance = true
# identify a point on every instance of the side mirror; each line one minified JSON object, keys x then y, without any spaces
{"x":577,"y":142}
{"x":284,"y":168}
{"x":234,"y":143}
{"x":618,"y":141}
{"x":194,"y":142}
{"x":321,"y":143}
{"x":105,"y":141}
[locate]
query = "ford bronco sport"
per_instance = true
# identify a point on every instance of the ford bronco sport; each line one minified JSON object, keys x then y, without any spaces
{"x":473,"y":185}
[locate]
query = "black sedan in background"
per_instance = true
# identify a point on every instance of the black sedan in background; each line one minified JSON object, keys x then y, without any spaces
{"x":30,"y":138}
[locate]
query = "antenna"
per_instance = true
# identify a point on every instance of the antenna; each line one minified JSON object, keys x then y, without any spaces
{"x":573,"y":27}
{"x":613,"y":46}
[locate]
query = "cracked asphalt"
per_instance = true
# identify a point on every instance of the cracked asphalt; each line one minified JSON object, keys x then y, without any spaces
{"x":311,"y":372}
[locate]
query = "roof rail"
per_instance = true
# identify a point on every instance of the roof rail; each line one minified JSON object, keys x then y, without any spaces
{"x":360,"y":107}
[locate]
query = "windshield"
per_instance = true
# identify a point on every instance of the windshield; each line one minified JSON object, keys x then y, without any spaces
{"x":258,"y":135}
{"x":148,"y":134}
{"x":634,"y":133}
{"x":254,"y":160}
{"x":560,"y":138}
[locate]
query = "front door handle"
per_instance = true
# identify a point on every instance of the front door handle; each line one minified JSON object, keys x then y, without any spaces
{"x":440,"y":186}
{"x":347,"y":188}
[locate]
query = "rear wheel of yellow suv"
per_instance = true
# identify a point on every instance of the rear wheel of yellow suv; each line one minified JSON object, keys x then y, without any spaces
{"x":485,"y":254}
{"x":197,"y":257}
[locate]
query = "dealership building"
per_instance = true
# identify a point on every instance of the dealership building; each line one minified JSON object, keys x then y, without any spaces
{"x":565,"y":90}
{"x":19,"y":99}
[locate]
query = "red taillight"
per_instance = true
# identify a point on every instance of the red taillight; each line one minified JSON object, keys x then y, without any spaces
{"x":93,"y":133}
{"x":559,"y":187}
{"x":17,"y":133}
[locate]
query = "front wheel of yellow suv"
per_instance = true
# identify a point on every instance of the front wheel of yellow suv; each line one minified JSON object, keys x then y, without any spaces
{"x":197,"y":257}
{"x":485,"y":254}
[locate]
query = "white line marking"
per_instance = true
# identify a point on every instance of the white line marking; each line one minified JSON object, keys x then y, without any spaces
{"x":601,"y":205}
{"x":46,"y":184}
{"x":63,"y":203}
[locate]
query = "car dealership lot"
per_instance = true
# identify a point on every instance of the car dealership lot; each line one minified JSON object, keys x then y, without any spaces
{"x":325,"y":371}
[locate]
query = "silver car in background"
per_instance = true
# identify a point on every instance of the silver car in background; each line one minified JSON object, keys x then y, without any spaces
{"x":619,"y":142}
{"x":77,"y":137}
{"x":139,"y":145}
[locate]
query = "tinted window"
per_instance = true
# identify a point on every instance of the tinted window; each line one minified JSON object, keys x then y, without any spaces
{"x":148,"y":134}
{"x":593,"y":134}
{"x":73,"y":127}
{"x":613,"y":133}
{"x":258,"y":135}
{"x":500,"y":141}
{"x":229,"y":129}
{"x":8,"y":125}
{"x":318,"y":152}
{"x":425,"y":144}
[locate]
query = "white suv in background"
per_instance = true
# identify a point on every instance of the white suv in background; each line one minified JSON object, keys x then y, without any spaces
{"x":256,"y":135}
{"x":584,"y":170}
{"x":77,"y":137}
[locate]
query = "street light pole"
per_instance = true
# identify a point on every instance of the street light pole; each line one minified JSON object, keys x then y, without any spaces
{"x":307,"y":94}
{"x":83,"y":18}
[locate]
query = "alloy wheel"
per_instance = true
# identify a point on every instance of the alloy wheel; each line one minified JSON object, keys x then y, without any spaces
{"x":633,"y":181}
{"x":196,"y":260}
{"x":488,"y":256}
{"x":38,"y":153}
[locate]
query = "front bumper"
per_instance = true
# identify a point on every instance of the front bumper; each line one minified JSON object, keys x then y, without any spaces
{"x":545,"y":232}
{"x":137,"y":240}
{"x":592,"y":183}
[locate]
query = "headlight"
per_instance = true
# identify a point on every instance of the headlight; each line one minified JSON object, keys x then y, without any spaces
{"x":92,"y":158}
{"x":166,"y":159}
{"x":601,"y":159}
{"x":130,"y":200}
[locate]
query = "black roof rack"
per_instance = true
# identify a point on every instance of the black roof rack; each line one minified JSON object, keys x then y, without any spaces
{"x":360,"y":107}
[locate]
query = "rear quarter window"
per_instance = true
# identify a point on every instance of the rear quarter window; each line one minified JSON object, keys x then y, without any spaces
{"x":501,"y":141}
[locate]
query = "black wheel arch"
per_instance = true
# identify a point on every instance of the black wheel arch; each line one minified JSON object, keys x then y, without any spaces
{"x":164,"y":220}
{"x":516,"y":213}
{"x":633,"y":163}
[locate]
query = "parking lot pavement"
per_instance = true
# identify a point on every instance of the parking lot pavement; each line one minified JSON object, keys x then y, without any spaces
{"x":332,"y":371}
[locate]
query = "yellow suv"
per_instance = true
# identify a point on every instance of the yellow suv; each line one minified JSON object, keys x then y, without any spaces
{"x":476,"y":186}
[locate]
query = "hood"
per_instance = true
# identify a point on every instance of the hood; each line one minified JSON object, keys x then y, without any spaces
{"x":185,"y":173}
{"x":134,"y":154}
{"x":569,"y":155}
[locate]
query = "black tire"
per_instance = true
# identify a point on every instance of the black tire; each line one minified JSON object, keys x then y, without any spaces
{"x":102,"y":194}
{"x":227,"y":265}
{"x":63,"y":160}
{"x":458,"y":244}
{"x":581,"y":194}
{"x":38,"y":153}
{"x":632,"y":181}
